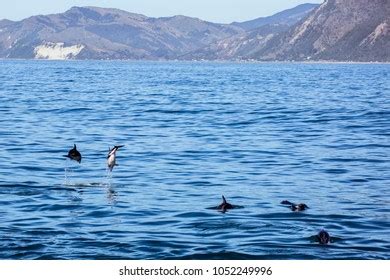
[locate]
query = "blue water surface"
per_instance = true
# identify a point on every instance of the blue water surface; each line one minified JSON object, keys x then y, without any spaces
{"x":255,"y":133}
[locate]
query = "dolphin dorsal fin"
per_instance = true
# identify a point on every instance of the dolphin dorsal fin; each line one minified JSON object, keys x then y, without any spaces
{"x":74,"y":146}
{"x":224,"y":199}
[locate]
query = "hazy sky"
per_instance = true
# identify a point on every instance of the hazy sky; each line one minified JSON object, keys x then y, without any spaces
{"x":223,"y":11}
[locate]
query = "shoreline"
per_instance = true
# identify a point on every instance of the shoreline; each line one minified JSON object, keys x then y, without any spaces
{"x":206,"y":61}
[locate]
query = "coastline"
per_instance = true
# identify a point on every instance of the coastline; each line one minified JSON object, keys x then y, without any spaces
{"x":206,"y":61}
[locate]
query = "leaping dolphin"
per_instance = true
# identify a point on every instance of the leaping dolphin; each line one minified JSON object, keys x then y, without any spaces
{"x":73,"y":154}
{"x":111,"y":157}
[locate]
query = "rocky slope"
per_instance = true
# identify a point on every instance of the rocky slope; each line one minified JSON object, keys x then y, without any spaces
{"x":258,"y":32}
{"x":337,"y":30}
{"x":243,"y":46}
{"x":340,"y":30}
{"x":287,"y":17}
{"x":98,"y":33}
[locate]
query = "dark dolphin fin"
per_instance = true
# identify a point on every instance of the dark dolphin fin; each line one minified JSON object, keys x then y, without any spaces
{"x":286,"y":202}
{"x":224,"y":200}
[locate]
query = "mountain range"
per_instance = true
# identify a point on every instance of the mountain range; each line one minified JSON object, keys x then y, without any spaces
{"x":337,"y":30}
{"x":340,"y":30}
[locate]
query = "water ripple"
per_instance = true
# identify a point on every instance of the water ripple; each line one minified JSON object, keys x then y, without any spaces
{"x":255,"y":133}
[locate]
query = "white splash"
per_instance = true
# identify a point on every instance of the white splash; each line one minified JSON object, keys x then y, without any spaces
{"x":57,"y":51}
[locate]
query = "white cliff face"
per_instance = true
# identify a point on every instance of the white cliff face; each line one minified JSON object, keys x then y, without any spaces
{"x":57,"y":51}
{"x":381,"y":30}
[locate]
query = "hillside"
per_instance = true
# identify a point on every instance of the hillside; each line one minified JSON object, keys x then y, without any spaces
{"x":339,"y":30}
{"x":287,"y":17}
{"x":100,"y":33}
{"x":258,"y":32}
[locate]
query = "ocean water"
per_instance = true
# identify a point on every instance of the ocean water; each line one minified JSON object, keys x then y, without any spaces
{"x":255,"y":133}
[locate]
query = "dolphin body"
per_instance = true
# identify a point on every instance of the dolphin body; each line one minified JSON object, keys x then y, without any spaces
{"x":295,"y":207}
{"x":111,"y":157}
{"x":73,"y":154}
{"x":224,"y":206}
{"x":323,"y":237}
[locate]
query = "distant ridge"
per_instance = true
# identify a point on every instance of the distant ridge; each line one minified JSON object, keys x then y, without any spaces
{"x":101,"y":33}
{"x":287,"y":17}
{"x":5,"y":22}
{"x":337,"y":30}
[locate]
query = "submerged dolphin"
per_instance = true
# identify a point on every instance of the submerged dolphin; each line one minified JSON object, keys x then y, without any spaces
{"x":323,"y":237}
{"x":295,"y":207}
{"x":224,"y":206}
{"x":111,"y":157}
{"x":73,"y":154}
